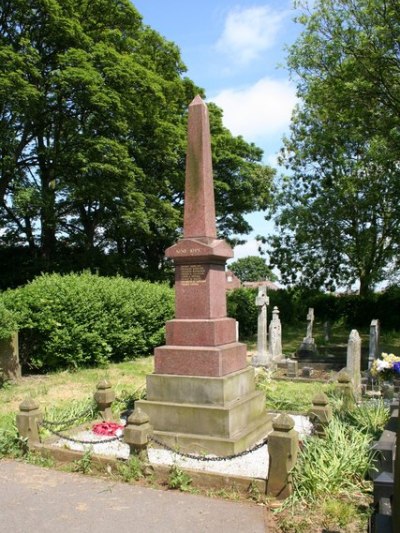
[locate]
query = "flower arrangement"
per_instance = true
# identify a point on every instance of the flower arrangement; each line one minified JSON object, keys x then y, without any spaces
{"x":387,"y":367}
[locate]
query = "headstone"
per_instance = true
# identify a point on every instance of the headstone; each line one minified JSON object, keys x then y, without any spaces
{"x":275,"y":337}
{"x":327,"y":331}
{"x":261,"y":358}
{"x":202,"y":395}
{"x":308,"y":347}
{"x":374,"y":350}
{"x":10,"y":369}
{"x":292,"y":368}
{"x":353,"y":363}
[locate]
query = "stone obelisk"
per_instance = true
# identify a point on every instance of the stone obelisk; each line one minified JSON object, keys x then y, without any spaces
{"x":202,"y":394}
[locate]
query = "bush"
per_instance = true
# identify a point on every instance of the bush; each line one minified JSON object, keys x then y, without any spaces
{"x":84,"y":320}
{"x":8,"y":322}
{"x":242,"y":306}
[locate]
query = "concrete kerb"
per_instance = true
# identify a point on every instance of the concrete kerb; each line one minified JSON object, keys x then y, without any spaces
{"x":205,"y":480}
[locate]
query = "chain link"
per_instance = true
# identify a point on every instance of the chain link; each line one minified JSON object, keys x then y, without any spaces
{"x":205,"y":458}
{"x":58,"y":434}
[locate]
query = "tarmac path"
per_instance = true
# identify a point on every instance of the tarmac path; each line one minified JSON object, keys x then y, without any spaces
{"x":35,"y":499}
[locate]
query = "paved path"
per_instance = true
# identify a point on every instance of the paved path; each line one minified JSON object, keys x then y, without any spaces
{"x":38,"y":499}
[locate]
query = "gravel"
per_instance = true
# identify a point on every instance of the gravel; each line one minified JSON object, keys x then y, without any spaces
{"x":254,"y":464}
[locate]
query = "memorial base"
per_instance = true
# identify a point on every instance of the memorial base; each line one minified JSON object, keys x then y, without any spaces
{"x":207,"y":415}
{"x":308,"y":348}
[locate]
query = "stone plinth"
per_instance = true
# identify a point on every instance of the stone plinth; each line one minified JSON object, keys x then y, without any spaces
{"x":219,"y":415}
{"x":201,"y":396}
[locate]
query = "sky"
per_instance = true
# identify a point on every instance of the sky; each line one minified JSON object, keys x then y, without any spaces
{"x":236,"y":51}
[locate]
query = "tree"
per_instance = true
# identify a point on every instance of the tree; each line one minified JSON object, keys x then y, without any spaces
{"x":93,"y":111}
{"x":252,"y":268}
{"x":339,"y":215}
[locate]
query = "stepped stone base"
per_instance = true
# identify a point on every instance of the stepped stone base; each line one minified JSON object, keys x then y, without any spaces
{"x":213,"y":415}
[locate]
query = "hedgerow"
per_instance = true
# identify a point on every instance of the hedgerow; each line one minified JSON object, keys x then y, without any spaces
{"x":81,"y":320}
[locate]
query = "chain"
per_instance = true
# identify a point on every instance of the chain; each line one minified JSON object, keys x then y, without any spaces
{"x":66,"y":423}
{"x":58,"y":434}
{"x":205,"y":458}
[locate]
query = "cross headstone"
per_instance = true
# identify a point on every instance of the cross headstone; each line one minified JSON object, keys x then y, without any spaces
{"x":308,"y":346}
{"x":353,"y":363}
{"x":275,"y":336}
{"x":261,"y":358}
{"x":373,"y":341}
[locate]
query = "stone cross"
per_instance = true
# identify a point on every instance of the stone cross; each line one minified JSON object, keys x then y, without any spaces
{"x":353,"y":363}
{"x":275,"y":336}
{"x":373,"y":342}
{"x":310,"y":318}
{"x":262,"y":301}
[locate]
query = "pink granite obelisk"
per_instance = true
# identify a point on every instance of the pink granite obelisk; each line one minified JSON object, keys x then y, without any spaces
{"x":201,"y":341}
{"x":202,"y":394}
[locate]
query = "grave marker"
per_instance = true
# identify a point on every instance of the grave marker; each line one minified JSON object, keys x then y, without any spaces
{"x":275,"y":336}
{"x":262,"y":356}
{"x":353,"y":363}
{"x":202,"y":394}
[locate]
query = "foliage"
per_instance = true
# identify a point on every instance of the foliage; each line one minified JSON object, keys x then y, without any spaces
{"x":369,"y":417}
{"x":178,"y":479}
{"x":241,"y":306}
{"x":82,"y":320}
{"x":84,"y":465}
{"x":8,"y":323}
{"x":93,"y":109}
{"x":129,"y":470}
{"x":337,"y":463}
{"x":338,"y":212}
{"x":252,"y":268}
{"x":11,"y":444}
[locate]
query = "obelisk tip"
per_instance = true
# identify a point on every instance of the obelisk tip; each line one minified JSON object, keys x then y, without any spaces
{"x":197,"y":100}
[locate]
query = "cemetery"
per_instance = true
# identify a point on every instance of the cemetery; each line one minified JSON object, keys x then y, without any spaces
{"x":208,"y":412}
{"x":134,"y":346}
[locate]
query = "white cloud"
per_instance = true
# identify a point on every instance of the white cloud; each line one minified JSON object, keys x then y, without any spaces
{"x":249,"y":31}
{"x":244,"y":250}
{"x":259,"y":110}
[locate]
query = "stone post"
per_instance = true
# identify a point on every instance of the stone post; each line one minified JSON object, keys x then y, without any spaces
{"x":27,"y":421}
{"x":104,"y":397}
{"x":374,"y":349}
{"x":283,"y":444}
{"x":137,"y":433}
{"x":10,"y":369}
{"x":353,"y":363}
{"x":320,"y":413}
{"x":346,"y":390}
{"x":292,"y":368}
{"x":262,"y":357}
{"x":275,"y":336}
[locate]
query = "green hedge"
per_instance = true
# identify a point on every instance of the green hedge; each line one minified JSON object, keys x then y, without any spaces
{"x":84,"y":320}
{"x":352,"y":310}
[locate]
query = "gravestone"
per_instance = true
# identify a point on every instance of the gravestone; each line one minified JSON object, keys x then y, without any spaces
{"x":353,"y":363}
{"x":374,"y":350}
{"x":10,"y":369}
{"x":261,"y":358}
{"x":308,"y":347}
{"x":327,"y":331}
{"x":275,"y":337}
{"x":202,"y":395}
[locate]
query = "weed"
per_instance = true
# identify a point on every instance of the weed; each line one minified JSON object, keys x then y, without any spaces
{"x":39,"y":460}
{"x":254,"y":491}
{"x":131,"y":469}
{"x":178,"y":479}
{"x":85,"y":464}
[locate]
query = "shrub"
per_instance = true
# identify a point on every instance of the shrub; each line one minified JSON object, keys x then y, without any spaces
{"x":242,"y":307}
{"x":8,"y":322}
{"x":84,"y":320}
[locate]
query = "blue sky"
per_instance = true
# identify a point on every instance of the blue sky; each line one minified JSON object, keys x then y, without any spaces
{"x":236,"y":52}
